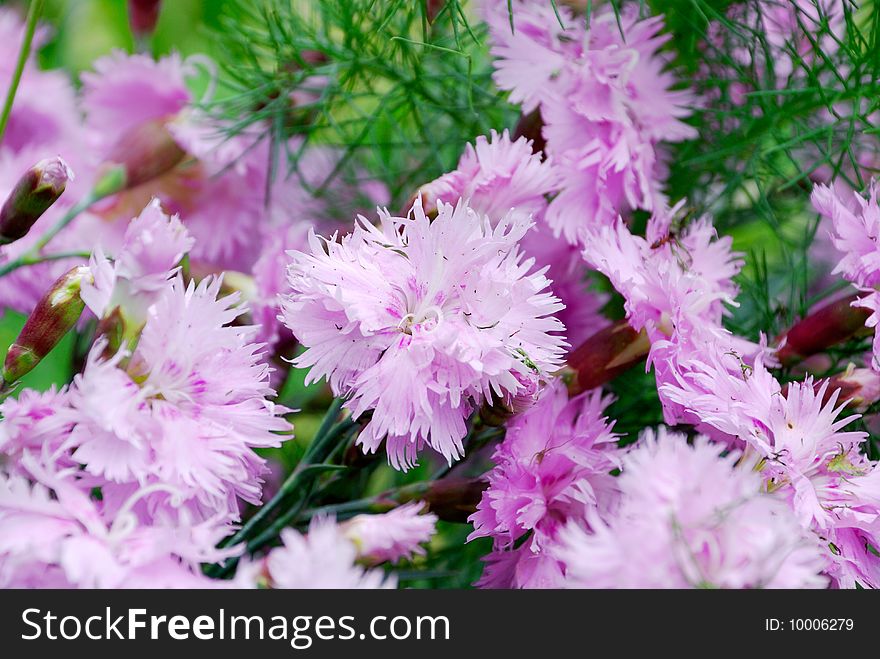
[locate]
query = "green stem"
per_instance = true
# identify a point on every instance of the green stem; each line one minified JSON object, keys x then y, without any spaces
{"x":79,"y":207}
{"x":327,"y":432}
{"x":57,"y":256}
{"x":32,"y":256}
{"x":378,"y":503}
{"x":23,"y":54}
{"x":324,"y":439}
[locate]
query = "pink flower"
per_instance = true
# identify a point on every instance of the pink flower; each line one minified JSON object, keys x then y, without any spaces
{"x":553,"y":466}
{"x":496,"y":176}
{"x":185,"y":410}
{"x":56,"y":535}
{"x":126,"y":90}
{"x":802,"y":451}
{"x":690,"y":517}
{"x":856,"y":225}
{"x":536,"y":53}
{"x":322,"y":558}
{"x":153,"y":245}
{"x":421,"y":321}
{"x":667,"y":276}
{"x":44,"y":114}
{"x":31,"y":422}
{"x":856,"y":230}
{"x":392,"y":536}
{"x":606,"y":100}
{"x":600,"y":180}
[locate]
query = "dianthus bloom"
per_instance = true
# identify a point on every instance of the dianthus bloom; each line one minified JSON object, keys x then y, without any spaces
{"x":30,"y":422}
{"x":553,"y":466}
{"x":798,"y":442}
{"x":496,"y":176}
{"x":322,"y":558}
{"x":138,"y":111}
{"x":689,"y":517}
{"x":392,"y":536}
{"x":153,"y":245}
{"x":667,"y":274}
{"x":422,"y":321}
{"x":56,"y":535}
{"x":606,"y":101}
{"x":856,"y":230}
{"x":186,"y":409}
{"x":189,"y":405}
{"x":499,"y":175}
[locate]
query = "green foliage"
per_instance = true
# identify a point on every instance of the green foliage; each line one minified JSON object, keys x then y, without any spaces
{"x":55,"y":369}
{"x":765,"y":134}
{"x":398,"y":90}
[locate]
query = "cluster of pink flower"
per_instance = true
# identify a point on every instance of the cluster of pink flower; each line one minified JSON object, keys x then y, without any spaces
{"x":134,"y":473}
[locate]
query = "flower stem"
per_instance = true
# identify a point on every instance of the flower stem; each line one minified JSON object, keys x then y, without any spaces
{"x":323,"y":444}
{"x":23,"y":54}
{"x":327,"y":433}
{"x":105,"y":187}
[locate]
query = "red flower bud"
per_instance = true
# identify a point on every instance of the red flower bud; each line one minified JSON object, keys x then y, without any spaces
{"x":830,"y":325}
{"x":143,"y":16}
{"x":146,"y":152}
{"x":35,"y":192}
{"x":605,"y":355}
{"x":531,"y":127}
{"x":859,"y":387}
{"x":55,"y":314}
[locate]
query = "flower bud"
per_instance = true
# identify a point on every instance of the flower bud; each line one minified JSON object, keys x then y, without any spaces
{"x":605,"y":355}
{"x":451,"y":499}
{"x":143,"y":16}
{"x":830,"y":325}
{"x":859,"y":387}
{"x":455,"y":499}
{"x":34,"y":193}
{"x":531,"y":127}
{"x":146,"y":152}
{"x":55,"y":314}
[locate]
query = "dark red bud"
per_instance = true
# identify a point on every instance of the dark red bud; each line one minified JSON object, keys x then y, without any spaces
{"x":55,"y":314}
{"x":830,"y":325}
{"x":35,"y":192}
{"x":605,"y":355}
{"x":531,"y":127}
{"x":146,"y":152}
{"x":143,"y":16}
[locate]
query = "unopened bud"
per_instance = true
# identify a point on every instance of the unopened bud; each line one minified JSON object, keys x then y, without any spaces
{"x":531,"y":126}
{"x":112,"y":328}
{"x":146,"y":152}
{"x":32,"y":196}
{"x":451,"y":499}
{"x":55,"y":314}
{"x":143,"y":16}
{"x":606,"y":354}
{"x":830,"y":325}
{"x":859,"y":387}
{"x":454,"y":499}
